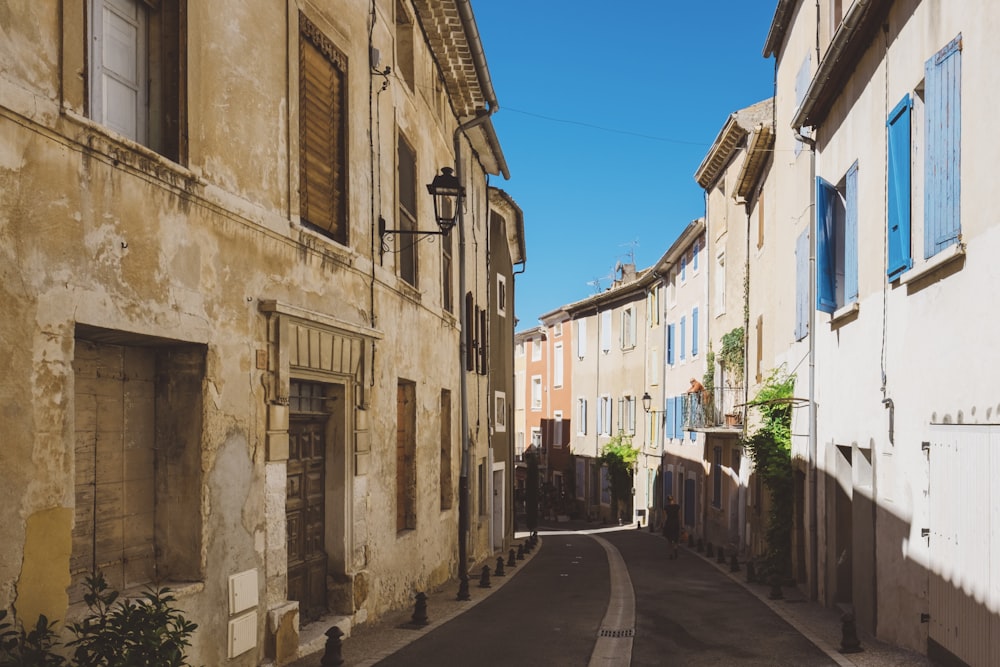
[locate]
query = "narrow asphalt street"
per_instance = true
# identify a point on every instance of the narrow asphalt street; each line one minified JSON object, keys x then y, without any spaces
{"x":611,"y":597}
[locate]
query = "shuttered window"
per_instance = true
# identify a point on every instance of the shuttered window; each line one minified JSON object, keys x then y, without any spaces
{"x":943,"y":132}
{"x":406,"y":184}
{"x":678,"y":416}
{"x":826,"y":295}
{"x":581,"y":338}
{"x":837,"y":242}
{"x":322,"y":133}
{"x":606,"y":331}
{"x":694,"y":332}
{"x":851,"y":235}
{"x":898,"y":222}
{"x":668,"y":424}
{"x":683,"y":341}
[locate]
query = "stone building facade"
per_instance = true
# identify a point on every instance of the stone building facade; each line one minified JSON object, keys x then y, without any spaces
{"x":223,"y":376}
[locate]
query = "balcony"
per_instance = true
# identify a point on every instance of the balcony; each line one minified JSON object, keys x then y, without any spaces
{"x":720,"y":408}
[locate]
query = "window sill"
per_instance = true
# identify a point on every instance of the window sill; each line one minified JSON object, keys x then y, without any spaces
{"x":841,"y":315}
{"x":946,"y":256}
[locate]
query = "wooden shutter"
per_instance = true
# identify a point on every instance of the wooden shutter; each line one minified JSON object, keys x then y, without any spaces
{"x":851,"y":235}
{"x":943,"y":124}
{"x":322,"y":133}
{"x":802,"y":285}
{"x":826,"y":295}
{"x":898,"y":223}
{"x":470,"y":337}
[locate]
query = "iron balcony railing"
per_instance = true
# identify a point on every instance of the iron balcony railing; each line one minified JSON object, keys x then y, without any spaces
{"x":721,"y":407}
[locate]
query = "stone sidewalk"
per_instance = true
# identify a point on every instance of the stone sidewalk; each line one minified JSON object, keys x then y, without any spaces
{"x":369,"y":643}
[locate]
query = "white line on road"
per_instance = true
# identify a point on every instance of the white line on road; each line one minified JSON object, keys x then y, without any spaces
{"x":614,"y":641}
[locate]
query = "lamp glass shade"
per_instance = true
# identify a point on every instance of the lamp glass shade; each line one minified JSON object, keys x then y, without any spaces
{"x":646,"y":401}
{"x":446,"y":191}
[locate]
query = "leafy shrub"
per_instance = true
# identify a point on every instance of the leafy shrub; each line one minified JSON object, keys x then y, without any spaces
{"x":32,"y":648}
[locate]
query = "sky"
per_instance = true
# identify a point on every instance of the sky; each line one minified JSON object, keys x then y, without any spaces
{"x":606,"y":110}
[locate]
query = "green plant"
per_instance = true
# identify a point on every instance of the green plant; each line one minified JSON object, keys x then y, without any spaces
{"x":33,"y":648}
{"x":146,"y":632}
{"x":770,"y":449}
{"x":620,"y":457}
{"x":731,"y":356}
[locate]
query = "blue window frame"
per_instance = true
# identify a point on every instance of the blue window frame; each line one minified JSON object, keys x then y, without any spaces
{"x":898,"y":219}
{"x":694,"y":254}
{"x":942,"y":161}
{"x":837,"y":242}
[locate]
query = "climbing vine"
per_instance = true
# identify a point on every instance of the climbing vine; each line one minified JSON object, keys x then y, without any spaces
{"x":620,"y":457}
{"x":770,"y":449}
{"x":731,"y":356}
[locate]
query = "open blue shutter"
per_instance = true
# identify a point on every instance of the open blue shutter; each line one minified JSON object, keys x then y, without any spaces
{"x":802,"y":285}
{"x":683,"y":342}
{"x":669,"y":426}
{"x":851,"y":235}
{"x":826,"y":294}
{"x":898,"y":222}
{"x":694,"y":332}
{"x":670,"y":344}
{"x":943,"y":111}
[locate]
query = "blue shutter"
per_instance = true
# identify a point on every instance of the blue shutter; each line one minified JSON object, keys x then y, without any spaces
{"x":694,"y":332}
{"x":851,"y":235}
{"x":802,"y":285}
{"x":683,"y":337}
{"x":694,"y":252}
{"x":943,"y":125}
{"x":898,"y":223}
{"x":826,"y":291}
{"x":669,"y":426}
{"x":679,"y":416}
{"x":670,"y":344}
{"x":684,"y":265}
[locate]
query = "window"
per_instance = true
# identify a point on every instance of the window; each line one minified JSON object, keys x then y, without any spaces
{"x":557,"y":428}
{"x":683,"y":341}
{"x":445,"y":479}
{"x":536,"y":392}
{"x":628,"y":328}
{"x":557,"y":330}
{"x":557,"y":365}
{"x":628,"y":408}
{"x":404,"y":45}
{"x":137,"y":72}
{"x":448,"y":278}
{"x":604,"y":416}
{"x":581,"y":338}
{"x":536,"y":349}
{"x":837,"y":242}
{"x":942,"y":160}
{"x":695,"y":251}
{"x":581,"y":416}
{"x":684,"y":259}
{"x":802,"y":285}
{"x":406,"y":194}
{"x":653,"y":306}
{"x":670,"y":344}
{"x":137,"y":463}
{"x":606,"y":331}
{"x":500,"y":411}
{"x":406,"y":456}
{"x":720,"y":283}
{"x":694,"y":332}
{"x":501,"y":293}
{"x":322,"y":133}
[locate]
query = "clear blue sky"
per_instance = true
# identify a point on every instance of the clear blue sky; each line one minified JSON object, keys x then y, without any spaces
{"x":606,"y":111}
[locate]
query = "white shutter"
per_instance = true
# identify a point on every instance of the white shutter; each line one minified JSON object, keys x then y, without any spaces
{"x":118,"y":70}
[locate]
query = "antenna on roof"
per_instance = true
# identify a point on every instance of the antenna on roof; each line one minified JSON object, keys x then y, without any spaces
{"x":631,"y":245}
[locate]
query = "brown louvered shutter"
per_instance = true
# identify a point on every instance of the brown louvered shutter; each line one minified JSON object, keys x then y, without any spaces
{"x":322,"y":133}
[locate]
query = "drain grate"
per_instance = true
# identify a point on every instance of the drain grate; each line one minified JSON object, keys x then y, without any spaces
{"x":617,"y":633}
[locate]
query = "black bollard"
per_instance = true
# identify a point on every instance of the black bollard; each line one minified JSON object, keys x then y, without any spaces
{"x":849,"y":642}
{"x":498,"y":572}
{"x":420,"y":610}
{"x":775,"y":593}
{"x":720,"y":555}
{"x":510,"y":558}
{"x":527,"y":546}
{"x":751,"y":574}
{"x":463,"y":588}
{"x":734,"y":563}
{"x":520,"y":552}
{"x":709,"y":550}
{"x":484,"y":578}
{"x":332,"y":651}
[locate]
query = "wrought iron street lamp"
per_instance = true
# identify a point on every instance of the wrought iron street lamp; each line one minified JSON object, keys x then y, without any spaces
{"x":447,"y":192}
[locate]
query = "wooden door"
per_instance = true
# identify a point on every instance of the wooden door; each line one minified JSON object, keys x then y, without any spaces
{"x":304,"y":506}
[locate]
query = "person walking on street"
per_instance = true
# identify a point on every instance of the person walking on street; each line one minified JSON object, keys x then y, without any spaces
{"x":672,"y":525}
